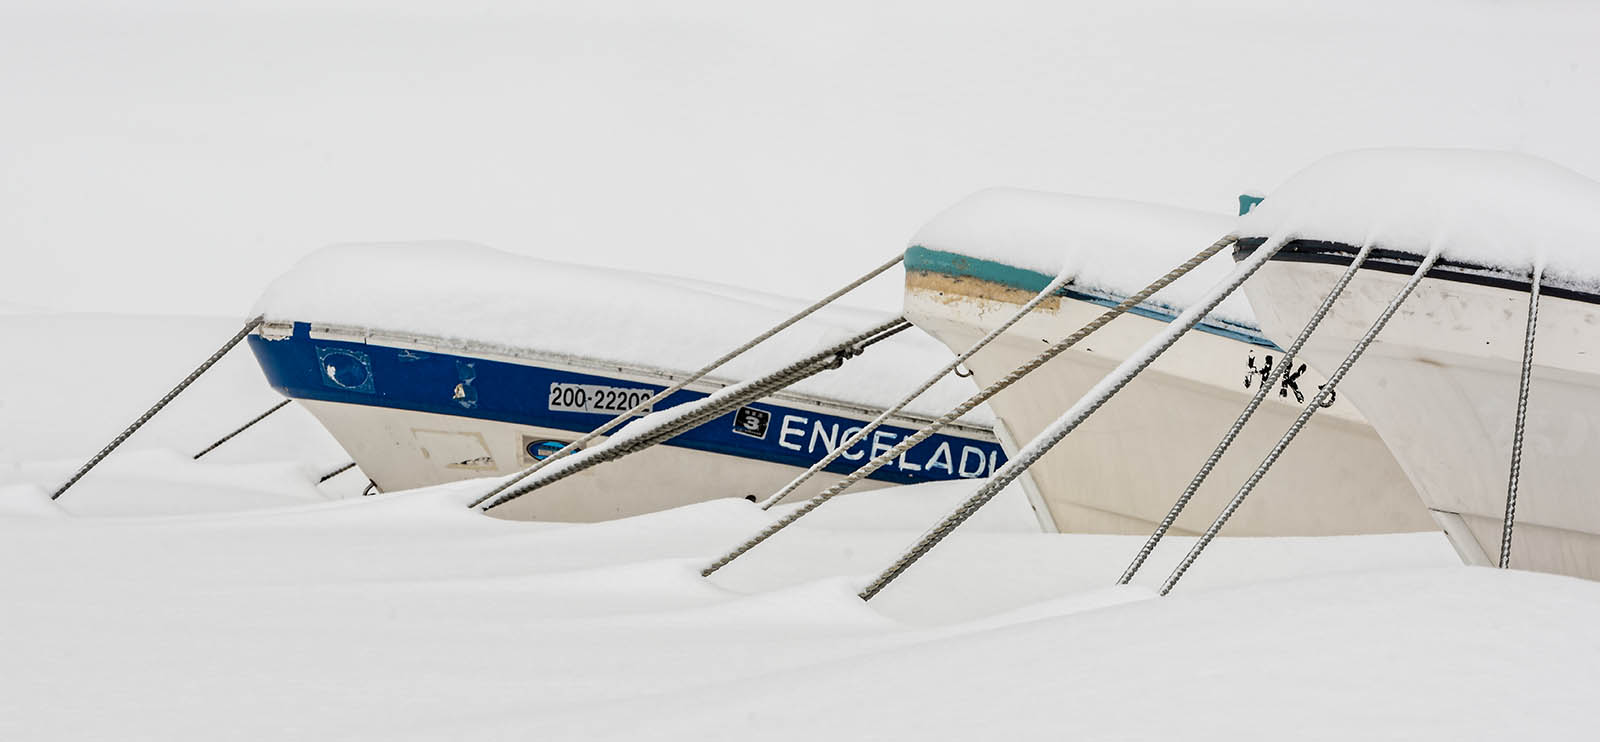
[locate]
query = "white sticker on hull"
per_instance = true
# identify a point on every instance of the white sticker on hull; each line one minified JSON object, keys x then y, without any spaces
{"x":597,"y":399}
{"x":454,"y":449}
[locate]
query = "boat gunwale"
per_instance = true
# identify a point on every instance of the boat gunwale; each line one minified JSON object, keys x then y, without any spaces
{"x":945,"y":262}
{"x":279,"y":329}
{"x":1390,"y":260}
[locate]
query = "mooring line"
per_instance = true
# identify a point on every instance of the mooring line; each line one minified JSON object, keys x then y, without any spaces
{"x":1086,"y":406}
{"x":224,"y":439}
{"x":1244,"y":417}
{"x":243,"y":332}
{"x":1016,"y":374}
{"x":1300,"y":422}
{"x":704,"y":410}
{"x":647,"y":405}
{"x":336,"y":472}
{"x":1523,"y":384}
{"x":1048,"y":291}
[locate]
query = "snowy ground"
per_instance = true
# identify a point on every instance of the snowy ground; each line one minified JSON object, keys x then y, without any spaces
{"x":175,"y":156}
{"x":277,"y":611}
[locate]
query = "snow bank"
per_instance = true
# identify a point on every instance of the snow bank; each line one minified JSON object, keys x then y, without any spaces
{"x":470,"y":292}
{"x":1496,"y":209}
{"x":1106,"y":244}
{"x":27,"y":500}
{"x":1401,"y":655}
{"x":409,"y":616}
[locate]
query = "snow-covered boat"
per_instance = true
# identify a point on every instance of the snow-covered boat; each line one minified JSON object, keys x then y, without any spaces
{"x":435,"y":362}
{"x":1441,"y":382}
{"x":1120,"y":472}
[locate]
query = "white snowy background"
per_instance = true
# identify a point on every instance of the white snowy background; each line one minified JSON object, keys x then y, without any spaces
{"x":188,"y":151}
{"x":171,"y":158}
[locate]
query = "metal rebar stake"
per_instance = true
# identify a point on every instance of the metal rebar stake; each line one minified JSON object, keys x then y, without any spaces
{"x":1522,"y":417}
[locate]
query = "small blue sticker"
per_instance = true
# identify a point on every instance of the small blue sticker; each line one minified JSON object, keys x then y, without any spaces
{"x":346,"y":369}
{"x":541,"y":450}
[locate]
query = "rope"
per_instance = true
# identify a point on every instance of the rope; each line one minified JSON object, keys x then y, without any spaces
{"x":954,"y":365}
{"x":337,"y":472}
{"x":1080,"y":411}
{"x":1244,"y":417}
{"x":1017,"y":373}
{"x":248,"y":328}
{"x":241,"y":428}
{"x":701,"y":411}
{"x":1300,"y":422}
{"x":646,"y":405}
{"x":1522,"y":417}
{"x":696,"y":413}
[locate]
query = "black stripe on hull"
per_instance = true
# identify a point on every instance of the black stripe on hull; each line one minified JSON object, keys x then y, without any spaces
{"x":1405,"y":263}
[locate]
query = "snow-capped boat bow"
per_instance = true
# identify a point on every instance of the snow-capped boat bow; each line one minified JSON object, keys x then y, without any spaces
{"x":469,"y":362}
{"x":1122,"y":470}
{"x":1442,"y":383}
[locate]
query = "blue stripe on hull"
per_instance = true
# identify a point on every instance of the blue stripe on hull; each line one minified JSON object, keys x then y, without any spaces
{"x":464,"y":386}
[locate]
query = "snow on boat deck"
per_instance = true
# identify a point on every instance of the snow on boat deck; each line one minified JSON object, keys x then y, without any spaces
{"x":466,"y":292}
{"x":407,"y":616}
{"x":1493,"y":209}
{"x":1109,"y":245}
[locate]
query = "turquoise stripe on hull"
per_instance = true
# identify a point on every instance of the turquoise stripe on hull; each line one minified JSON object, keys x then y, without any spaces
{"x":919,"y":258}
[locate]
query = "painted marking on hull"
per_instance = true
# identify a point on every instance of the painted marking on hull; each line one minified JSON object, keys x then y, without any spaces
{"x":516,"y":393}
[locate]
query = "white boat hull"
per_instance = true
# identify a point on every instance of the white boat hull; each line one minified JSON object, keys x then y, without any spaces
{"x":422,"y":448}
{"x":1121,"y":471}
{"x":1440,"y":385}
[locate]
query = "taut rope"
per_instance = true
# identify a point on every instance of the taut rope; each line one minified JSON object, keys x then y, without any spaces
{"x":1522,"y":417}
{"x":1023,"y":370}
{"x":1244,"y":417}
{"x":258,"y":418}
{"x":1080,"y":411}
{"x":1045,"y":293}
{"x":687,"y":380}
{"x":243,"y":332}
{"x":696,"y":413}
{"x":1300,"y":422}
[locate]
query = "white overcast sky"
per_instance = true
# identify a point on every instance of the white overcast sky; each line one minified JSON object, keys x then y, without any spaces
{"x":173,"y":157}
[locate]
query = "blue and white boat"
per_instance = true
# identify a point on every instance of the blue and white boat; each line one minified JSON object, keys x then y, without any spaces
{"x":435,"y":362}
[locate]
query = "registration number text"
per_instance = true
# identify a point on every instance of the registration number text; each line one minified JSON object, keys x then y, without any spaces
{"x":595,"y":398}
